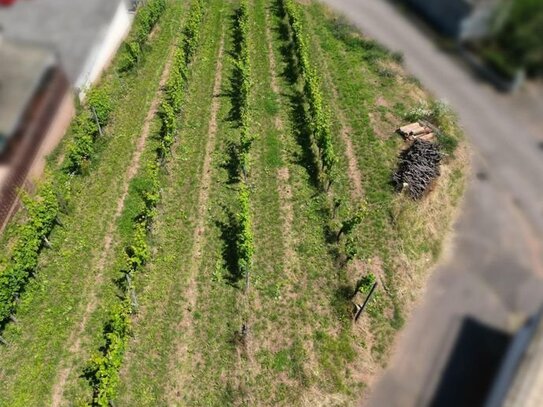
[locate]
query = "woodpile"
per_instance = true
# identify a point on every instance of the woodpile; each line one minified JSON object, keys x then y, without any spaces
{"x":418,"y":167}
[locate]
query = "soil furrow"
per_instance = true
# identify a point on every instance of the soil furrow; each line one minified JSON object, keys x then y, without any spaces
{"x":199,"y":231}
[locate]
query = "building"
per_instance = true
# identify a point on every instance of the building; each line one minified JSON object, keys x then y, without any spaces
{"x":34,"y":94}
{"x":49,"y":51}
{"x":520,"y":379}
{"x":85,"y":34}
{"x":460,"y":19}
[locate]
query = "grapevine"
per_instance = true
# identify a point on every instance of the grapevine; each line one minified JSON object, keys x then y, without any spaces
{"x":102,"y":370}
{"x":317,"y":115}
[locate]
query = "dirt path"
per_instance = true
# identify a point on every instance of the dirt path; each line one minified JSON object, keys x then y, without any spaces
{"x":174,"y":392}
{"x":76,"y":336}
{"x":355,"y":176}
{"x":284,"y":189}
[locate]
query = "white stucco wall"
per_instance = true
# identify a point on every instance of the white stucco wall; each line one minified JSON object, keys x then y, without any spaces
{"x":104,"y":49}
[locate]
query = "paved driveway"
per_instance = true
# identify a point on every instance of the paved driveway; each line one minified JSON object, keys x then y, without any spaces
{"x":495,"y":269}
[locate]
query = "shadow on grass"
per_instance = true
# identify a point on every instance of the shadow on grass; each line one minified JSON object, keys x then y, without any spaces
{"x":236,"y":77}
{"x":341,"y":302}
{"x":297,"y":113}
{"x":229,"y":231}
{"x":231,"y":163}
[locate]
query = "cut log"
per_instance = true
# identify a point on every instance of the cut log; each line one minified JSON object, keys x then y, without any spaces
{"x":426,"y":137}
{"x":413,"y":129}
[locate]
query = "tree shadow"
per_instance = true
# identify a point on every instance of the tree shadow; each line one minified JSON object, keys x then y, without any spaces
{"x":235,"y":113}
{"x":291,"y":70}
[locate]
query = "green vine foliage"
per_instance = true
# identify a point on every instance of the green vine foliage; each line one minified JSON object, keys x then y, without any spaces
{"x":138,"y":252}
{"x":365,"y":284}
{"x":242,"y":86}
{"x":102,"y":369}
{"x":80,"y":151}
{"x":43,"y":211}
{"x":85,"y":131}
{"x":144,"y":22}
{"x":192,"y":30}
{"x":151,"y":195}
{"x":350,"y":223}
{"x":168,"y":127}
{"x":99,"y":101}
{"x":175,"y":86}
{"x":241,"y":90}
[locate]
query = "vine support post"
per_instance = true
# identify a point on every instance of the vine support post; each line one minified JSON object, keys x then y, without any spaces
{"x":360,"y":308}
{"x":247,"y":281}
{"x":340,"y":233}
{"x":47,"y":242}
{"x":95,"y":116}
{"x":133,"y":296}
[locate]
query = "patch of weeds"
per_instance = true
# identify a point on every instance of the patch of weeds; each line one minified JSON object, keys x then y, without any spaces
{"x":334,"y":354}
{"x":281,"y":360}
{"x":274,"y":290}
{"x":397,"y":57}
{"x":385,"y":73}
{"x":290,"y":360}
{"x":414,"y":80}
{"x":270,"y":105}
{"x":296,"y":360}
{"x":272,"y":154}
{"x":217,"y":276}
{"x":439,"y":114}
{"x":448,"y":143}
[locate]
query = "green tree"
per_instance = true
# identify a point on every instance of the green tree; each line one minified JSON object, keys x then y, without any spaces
{"x":521,"y":36}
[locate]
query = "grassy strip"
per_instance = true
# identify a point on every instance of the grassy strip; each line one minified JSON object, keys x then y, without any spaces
{"x":102,"y":371}
{"x":342,"y":217}
{"x":300,"y":352}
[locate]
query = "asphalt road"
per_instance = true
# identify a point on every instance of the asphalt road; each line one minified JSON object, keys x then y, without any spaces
{"x":494,"y":270}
